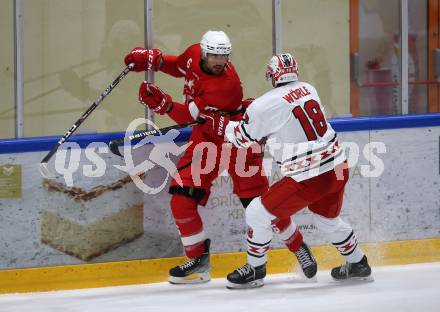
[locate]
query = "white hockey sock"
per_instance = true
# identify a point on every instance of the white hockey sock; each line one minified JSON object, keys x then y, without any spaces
{"x":259,"y":233}
{"x":341,"y":235}
{"x":349,"y":248}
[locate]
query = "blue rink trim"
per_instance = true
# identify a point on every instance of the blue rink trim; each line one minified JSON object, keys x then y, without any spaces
{"x":35,"y":144}
{"x":385,"y":122}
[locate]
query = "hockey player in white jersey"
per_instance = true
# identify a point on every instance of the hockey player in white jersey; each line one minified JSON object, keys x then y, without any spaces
{"x":292,"y":122}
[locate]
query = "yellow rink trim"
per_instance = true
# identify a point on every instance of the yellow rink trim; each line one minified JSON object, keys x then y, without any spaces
{"x":156,"y":270}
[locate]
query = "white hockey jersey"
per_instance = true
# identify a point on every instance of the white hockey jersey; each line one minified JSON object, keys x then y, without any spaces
{"x":292,"y":121}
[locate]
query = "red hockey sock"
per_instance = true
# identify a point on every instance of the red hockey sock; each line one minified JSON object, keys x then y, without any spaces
{"x":195,"y":250}
{"x":189,"y":223}
{"x":295,"y":241}
{"x":288,"y":233}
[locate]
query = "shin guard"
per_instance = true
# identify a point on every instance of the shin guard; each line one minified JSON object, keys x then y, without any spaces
{"x":189,"y":224}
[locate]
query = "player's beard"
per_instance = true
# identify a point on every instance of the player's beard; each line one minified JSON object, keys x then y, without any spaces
{"x":218,"y":69}
{"x":213,"y":70}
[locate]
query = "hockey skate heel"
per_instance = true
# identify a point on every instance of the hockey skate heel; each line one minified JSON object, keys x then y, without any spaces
{"x":360,"y":271}
{"x":194,"y":271}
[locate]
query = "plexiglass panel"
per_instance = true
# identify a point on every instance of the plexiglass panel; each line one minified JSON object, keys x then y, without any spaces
{"x":379,"y":56}
{"x":181,"y":23}
{"x":7,"y":105}
{"x":317,"y":34}
{"x":418,"y":56}
{"x":72,"y":51}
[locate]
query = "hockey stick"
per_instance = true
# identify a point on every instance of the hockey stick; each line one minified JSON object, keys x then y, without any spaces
{"x":44,"y":170}
{"x":113,"y":145}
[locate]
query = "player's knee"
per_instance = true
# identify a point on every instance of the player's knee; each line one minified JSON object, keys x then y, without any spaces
{"x":257,"y":215}
{"x":181,"y":206}
{"x":329,"y":225}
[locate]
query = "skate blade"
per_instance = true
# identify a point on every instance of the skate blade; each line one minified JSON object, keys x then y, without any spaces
{"x":196,"y":278}
{"x":301,"y":278}
{"x":253,"y":284}
{"x":365,"y":279}
{"x":298,"y":276}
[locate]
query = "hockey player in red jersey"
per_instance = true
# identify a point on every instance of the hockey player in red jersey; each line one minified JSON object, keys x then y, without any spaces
{"x":213,"y":91}
{"x":292,"y":120}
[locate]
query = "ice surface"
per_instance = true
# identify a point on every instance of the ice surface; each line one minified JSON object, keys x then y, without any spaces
{"x":396,"y":288}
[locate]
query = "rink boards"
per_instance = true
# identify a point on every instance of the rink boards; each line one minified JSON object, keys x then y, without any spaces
{"x":51,"y":239}
{"x":156,"y":270}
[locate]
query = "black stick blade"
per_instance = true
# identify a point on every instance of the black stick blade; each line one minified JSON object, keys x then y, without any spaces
{"x":113,"y":146}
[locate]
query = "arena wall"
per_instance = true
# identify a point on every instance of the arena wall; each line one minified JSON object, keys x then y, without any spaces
{"x":87,"y":230}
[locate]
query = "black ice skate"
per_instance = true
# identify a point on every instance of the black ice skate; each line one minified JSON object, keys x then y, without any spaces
{"x":353,"y":271}
{"x":194,"y":271}
{"x":306,"y":261}
{"x":247,"y":277}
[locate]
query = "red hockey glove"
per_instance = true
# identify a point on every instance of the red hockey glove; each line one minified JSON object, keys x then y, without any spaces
{"x":246,"y":102}
{"x":215,"y":124}
{"x":144,"y":59}
{"x":154,"y":98}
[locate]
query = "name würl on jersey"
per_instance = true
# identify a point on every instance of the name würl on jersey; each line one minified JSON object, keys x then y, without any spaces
{"x":296,"y":94}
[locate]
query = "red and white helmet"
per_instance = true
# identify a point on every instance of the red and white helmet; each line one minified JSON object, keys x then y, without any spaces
{"x":215,"y":42}
{"x":282,"y":68}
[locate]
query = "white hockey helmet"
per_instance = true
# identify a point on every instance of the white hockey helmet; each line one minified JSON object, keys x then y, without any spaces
{"x":282,"y":68}
{"x":215,"y":42}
